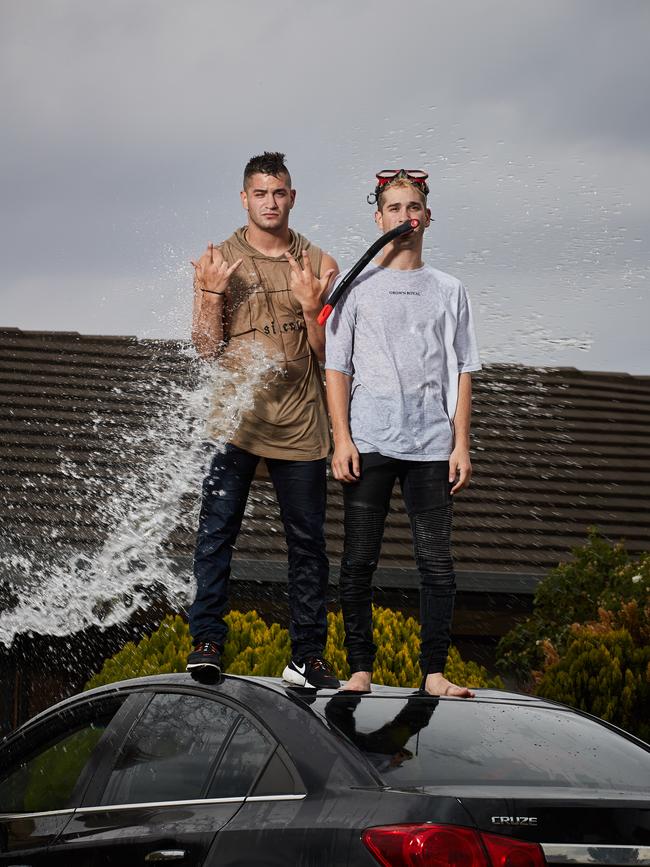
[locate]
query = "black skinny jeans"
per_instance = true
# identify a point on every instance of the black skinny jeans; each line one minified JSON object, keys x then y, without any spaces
{"x":425,"y":488}
{"x":300,"y":487}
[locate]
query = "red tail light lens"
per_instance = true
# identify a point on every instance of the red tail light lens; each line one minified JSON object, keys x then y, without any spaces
{"x":448,"y":846}
{"x":430,"y":845}
{"x":513,"y":853}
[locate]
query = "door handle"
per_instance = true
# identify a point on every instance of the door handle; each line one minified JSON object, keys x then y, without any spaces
{"x":166,"y":855}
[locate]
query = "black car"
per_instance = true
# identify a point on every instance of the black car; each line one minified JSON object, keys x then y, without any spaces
{"x":250,"y":771}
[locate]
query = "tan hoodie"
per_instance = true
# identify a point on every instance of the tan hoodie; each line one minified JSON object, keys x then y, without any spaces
{"x":289,"y":416}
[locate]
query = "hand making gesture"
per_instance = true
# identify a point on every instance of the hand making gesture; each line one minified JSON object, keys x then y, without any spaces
{"x":212,"y":272}
{"x":308,"y":289}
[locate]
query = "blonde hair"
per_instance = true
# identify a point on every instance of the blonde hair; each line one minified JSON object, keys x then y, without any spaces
{"x":400,"y":183}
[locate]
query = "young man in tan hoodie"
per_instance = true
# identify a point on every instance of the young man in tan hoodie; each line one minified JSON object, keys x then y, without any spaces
{"x":265,"y":285}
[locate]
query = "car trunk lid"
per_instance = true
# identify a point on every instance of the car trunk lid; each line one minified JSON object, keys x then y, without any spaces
{"x":559,"y":816}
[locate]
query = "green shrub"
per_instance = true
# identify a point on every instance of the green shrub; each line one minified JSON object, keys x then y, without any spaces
{"x":600,"y":575}
{"x":255,"y":648}
{"x":605,"y":673}
{"x":587,"y":642}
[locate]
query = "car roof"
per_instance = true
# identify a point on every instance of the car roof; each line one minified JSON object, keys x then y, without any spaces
{"x":305,"y":696}
{"x":279,"y":686}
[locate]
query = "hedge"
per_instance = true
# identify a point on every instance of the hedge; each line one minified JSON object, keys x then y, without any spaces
{"x":253,"y":647}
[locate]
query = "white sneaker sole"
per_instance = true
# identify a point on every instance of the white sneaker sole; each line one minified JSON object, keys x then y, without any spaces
{"x":297,"y":679}
{"x":294,"y":677}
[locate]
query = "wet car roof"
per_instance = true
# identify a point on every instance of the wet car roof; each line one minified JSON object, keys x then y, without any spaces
{"x":279,"y":686}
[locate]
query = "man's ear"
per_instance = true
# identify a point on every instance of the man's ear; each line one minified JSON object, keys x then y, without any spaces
{"x":292,"y":193}
{"x":428,"y":219}
{"x":379,"y":220}
{"x":244,"y":199}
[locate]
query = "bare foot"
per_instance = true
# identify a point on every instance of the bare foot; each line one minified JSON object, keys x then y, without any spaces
{"x":437,"y":684}
{"x":359,"y":682}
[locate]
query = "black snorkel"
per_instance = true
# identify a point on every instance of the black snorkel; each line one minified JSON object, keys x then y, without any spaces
{"x":403,"y":229}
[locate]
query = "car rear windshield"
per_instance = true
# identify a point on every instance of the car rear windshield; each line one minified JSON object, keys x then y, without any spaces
{"x":424,"y":741}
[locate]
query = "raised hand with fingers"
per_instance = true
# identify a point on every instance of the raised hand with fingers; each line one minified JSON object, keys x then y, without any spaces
{"x":308,"y":289}
{"x":212,"y":272}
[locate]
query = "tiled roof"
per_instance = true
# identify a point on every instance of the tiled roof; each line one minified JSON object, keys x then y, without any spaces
{"x":555,"y":450}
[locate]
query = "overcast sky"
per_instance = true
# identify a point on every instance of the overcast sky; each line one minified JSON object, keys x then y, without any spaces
{"x":126,"y":125}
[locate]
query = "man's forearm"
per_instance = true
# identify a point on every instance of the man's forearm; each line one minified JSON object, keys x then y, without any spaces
{"x":463,"y":415}
{"x":207,"y":323}
{"x":338,"y":404}
{"x":315,"y":334}
{"x":346,"y":463}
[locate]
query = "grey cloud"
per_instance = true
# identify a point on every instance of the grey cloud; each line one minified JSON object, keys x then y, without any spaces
{"x":170,"y":72}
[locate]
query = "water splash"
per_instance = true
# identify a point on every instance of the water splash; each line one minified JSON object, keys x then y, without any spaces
{"x":132,"y":566}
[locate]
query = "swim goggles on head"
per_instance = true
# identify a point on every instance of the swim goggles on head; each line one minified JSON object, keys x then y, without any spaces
{"x":415,"y":176}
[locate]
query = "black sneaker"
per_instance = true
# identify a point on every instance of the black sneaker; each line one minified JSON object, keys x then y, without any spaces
{"x":315,"y":672}
{"x":205,"y":660}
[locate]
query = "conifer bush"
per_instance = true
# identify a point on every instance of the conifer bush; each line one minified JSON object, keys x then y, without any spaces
{"x":253,"y":647}
{"x":605,"y":673}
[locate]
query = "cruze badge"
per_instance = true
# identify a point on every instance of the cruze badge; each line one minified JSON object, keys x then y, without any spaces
{"x":514,"y":820}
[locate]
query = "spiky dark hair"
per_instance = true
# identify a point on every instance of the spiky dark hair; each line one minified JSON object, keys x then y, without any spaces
{"x":268,"y":163}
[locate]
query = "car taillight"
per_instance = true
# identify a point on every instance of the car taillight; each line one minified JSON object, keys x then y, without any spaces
{"x":505,"y":852}
{"x":448,"y":846}
{"x":430,"y":845}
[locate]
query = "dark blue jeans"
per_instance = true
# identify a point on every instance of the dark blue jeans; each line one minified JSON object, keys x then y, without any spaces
{"x":300,"y":487}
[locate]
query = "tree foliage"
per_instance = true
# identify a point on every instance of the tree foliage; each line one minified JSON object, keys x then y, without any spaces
{"x":604,"y":673}
{"x":570,"y":593}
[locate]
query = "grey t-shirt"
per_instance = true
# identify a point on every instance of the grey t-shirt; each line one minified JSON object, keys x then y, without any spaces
{"x":403,"y":337}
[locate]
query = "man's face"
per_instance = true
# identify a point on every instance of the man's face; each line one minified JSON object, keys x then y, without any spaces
{"x":399,"y":204}
{"x":268,"y":200}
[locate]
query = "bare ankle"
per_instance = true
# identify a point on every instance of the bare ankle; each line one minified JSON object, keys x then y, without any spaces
{"x":360,"y":681}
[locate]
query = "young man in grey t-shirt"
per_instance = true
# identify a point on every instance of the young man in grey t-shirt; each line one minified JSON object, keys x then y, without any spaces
{"x":400,"y":349}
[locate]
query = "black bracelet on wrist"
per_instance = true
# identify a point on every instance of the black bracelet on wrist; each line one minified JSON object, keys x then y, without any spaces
{"x":212,"y":292}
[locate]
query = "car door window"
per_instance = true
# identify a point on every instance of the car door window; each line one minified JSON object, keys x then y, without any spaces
{"x":45,"y":765}
{"x":278,"y":778}
{"x":246,"y":755}
{"x":170,"y":752}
